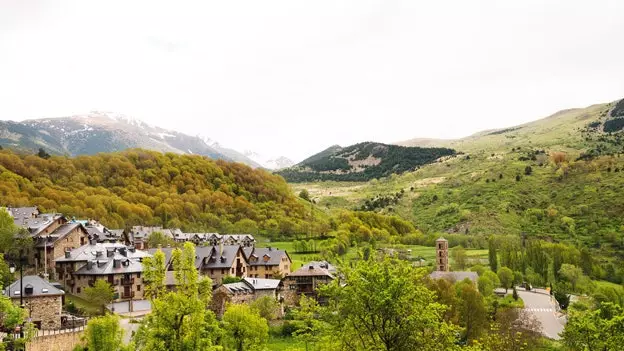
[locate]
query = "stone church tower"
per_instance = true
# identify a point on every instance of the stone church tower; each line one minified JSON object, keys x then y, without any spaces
{"x":442,"y":261}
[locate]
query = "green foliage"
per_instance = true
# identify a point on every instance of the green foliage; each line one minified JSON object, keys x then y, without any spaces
{"x":267,"y":307}
{"x":104,"y":333}
{"x":373,"y":295}
{"x":100,"y":294}
{"x":245,"y":328}
{"x":228,"y":279}
{"x":181,"y":320}
{"x":506,"y":277}
{"x":335,"y":164}
{"x":154,"y":275}
{"x":43,"y":154}
{"x":156,"y":239}
{"x":601,"y":329}
{"x":305,"y":195}
{"x":460,"y":257}
{"x":492,"y":255}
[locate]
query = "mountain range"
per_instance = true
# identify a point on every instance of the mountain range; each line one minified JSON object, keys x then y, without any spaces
{"x":108,"y":132}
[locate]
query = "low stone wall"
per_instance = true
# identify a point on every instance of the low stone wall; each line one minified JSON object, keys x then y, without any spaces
{"x":58,"y":342}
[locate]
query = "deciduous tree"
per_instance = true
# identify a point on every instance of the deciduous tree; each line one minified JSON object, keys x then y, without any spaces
{"x":245,"y":329}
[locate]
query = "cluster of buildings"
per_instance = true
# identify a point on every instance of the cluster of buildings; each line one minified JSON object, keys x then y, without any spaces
{"x":78,"y":253}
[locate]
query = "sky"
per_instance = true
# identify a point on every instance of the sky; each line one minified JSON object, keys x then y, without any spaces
{"x":290,"y":78}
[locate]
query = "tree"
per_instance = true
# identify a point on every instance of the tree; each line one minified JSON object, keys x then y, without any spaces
{"x":229,"y":279}
{"x":374,"y":294}
{"x":601,"y":329}
{"x":304,"y":194}
{"x":43,"y":154}
{"x":492,"y":255}
{"x":472,"y":311}
{"x":506,"y":277}
{"x":308,"y":327}
{"x":459,"y":254}
{"x":159,"y":239}
{"x":12,"y":316}
{"x":154,"y":275}
{"x":245,"y":329}
{"x":100,"y":294}
{"x":267,"y":307}
{"x":571,"y":273}
{"x":104,"y":333}
{"x":528,"y":170}
{"x":486,"y":286}
{"x":515,"y":294}
{"x":180,"y":320}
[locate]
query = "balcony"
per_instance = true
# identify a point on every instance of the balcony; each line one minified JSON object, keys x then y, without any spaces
{"x":128,"y":281}
{"x":128,"y":296}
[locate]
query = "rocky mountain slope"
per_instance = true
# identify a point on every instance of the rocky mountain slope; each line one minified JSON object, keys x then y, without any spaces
{"x":361,"y":162}
{"x":107,"y":132}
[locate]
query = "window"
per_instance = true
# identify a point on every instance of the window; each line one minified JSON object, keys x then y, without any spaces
{"x":138,"y":287}
{"x":138,"y":275}
{"x":78,"y":290}
{"x":232,"y":270}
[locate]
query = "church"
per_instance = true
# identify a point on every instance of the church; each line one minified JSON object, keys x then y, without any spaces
{"x":442,"y":265}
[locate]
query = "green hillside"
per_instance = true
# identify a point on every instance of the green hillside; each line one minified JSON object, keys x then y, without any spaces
{"x":559,"y":179}
{"x":362,"y":162}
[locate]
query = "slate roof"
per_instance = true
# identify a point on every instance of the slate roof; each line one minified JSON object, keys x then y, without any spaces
{"x":239,"y":287}
{"x":218,"y":259}
{"x":39,"y":285}
{"x":274,"y":256}
{"x":323,"y":264}
{"x":455,"y":276}
{"x":100,"y":259}
{"x":263,"y":284}
{"x":58,"y":234}
{"x":21,"y":214}
{"x":311,"y":271}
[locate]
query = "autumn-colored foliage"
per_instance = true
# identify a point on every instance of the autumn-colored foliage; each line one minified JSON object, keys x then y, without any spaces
{"x":149,"y":188}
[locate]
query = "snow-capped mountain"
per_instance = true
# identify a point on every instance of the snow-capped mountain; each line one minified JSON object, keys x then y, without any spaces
{"x":272,"y":163}
{"x":106,"y":132}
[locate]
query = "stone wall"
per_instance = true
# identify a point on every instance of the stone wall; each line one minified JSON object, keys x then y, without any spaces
{"x":44,"y":309}
{"x":59,"y":342}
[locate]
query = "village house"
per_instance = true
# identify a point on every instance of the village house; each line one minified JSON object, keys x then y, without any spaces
{"x":52,"y":235}
{"x":42,"y":301}
{"x":245,"y":291}
{"x":305,"y":281}
{"x":119,"y":265}
{"x":267,"y":262}
{"x":215,"y":262}
{"x":443,"y":267}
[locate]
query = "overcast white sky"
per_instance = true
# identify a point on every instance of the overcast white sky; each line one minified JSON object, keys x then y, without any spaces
{"x":293,"y":77}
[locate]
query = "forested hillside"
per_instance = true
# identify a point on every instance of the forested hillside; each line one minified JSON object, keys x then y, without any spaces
{"x":363,"y":161}
{"x":145,"y":187}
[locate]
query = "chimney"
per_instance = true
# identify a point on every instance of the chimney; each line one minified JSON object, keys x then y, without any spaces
{"x":122,"y":251}
{"x":311,"y":267}
{"x":132,"y":249}
{"x":270,"y":249}
{"x":89,"y":265}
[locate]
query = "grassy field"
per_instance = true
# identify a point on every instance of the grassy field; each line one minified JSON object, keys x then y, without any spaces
{"x":427,"y":253}
{"x":82,"y":304}
{"x":284,"y":344}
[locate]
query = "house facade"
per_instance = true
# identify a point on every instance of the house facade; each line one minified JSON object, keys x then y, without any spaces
{"x":267,"y":262}
{"x":119,"y":265}
{"x":305,"y":281}
{"x":245,"y":291}
{"x":42,"y":301}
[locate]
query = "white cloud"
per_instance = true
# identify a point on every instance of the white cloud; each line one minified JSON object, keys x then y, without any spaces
{"x":292,"y":77}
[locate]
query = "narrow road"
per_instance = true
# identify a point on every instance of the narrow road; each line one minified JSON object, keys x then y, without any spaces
{"x":544,"y":310}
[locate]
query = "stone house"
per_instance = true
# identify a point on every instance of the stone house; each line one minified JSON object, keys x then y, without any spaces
{"x":305,"y":281}
{"x":245,"y":291}
{"x":66,"y":237}
{"x":215,"y":262}
{"x":267,"y":262}
{"x":119,"y":265}
{"x":42,"y":300}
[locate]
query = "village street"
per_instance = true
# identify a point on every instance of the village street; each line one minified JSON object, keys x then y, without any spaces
{"x":539,"y":304}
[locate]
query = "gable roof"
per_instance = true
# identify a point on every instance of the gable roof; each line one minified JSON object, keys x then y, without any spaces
{"x":274,"y":256}
{"x":311,"y":271}
{"x":59,"y":233}
{"x":239,"y":287}
{"x":39,"y":286}
{"x":263,"y":284}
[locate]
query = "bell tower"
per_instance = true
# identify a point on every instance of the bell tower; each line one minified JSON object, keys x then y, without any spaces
{"x":442,"y":262}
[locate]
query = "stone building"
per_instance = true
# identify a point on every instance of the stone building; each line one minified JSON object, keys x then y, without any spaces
{"x":267,"y":262}
{"x":245,"y":291}
{"x":442,"y":261}
{"x":42,"y":300}
{"x":116,"y":263}
{"x":443,"y":268}
{"x":305,"y":281}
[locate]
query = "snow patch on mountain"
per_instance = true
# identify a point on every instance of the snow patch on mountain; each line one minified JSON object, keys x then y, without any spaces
{"x":272,"y":163}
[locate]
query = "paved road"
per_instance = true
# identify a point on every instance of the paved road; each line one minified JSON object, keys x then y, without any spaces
{"x":128,"y":328}
{"x":541,"y":307}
